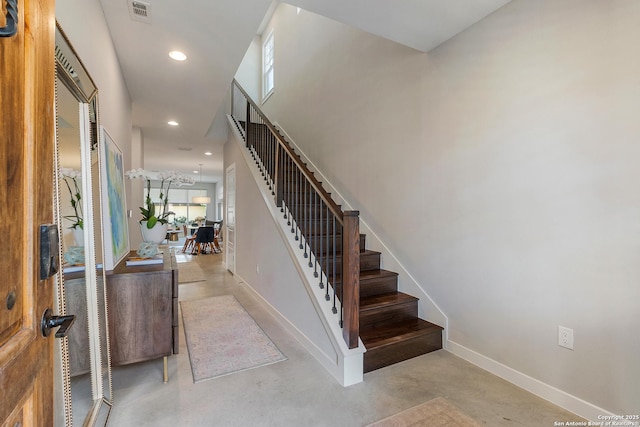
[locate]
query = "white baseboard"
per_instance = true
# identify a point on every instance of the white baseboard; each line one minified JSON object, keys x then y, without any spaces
{"x":556,"y":396}
{"x":347,"y":370}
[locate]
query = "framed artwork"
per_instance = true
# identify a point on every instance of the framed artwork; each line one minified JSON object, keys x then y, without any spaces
{"x":114,"y":206}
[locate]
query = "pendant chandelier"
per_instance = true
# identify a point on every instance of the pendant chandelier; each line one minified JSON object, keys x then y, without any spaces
{"x":202,"y":200}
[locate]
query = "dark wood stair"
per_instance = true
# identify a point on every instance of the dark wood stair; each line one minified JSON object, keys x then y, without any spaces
{"x":400,"y":341}
{"x":390,"y":328}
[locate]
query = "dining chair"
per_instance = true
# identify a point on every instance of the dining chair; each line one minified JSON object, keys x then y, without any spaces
{"x":189,"y":240}
{"x":216,"y":238}
{"x":204,"y":240}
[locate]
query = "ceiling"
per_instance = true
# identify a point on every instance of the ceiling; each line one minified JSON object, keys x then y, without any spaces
{"x":215,"y":36}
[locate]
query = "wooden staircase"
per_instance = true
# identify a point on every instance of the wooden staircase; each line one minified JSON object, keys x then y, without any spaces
{"x":389,"y":325}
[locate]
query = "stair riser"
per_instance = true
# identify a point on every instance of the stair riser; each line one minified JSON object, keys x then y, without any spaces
{"x":376,"y":358}
{"x":388,"y":315}
{"x":368,"y":262}
{"x":378,"y":286}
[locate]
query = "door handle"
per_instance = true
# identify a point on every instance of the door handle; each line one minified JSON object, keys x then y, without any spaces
{"x":10,"y":28}
{"x":49,"y":321}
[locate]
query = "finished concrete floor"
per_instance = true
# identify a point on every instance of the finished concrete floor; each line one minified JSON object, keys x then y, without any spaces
{"x":299,"y":392}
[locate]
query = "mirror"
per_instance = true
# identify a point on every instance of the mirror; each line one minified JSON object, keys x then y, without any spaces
{"x":86,"y":372}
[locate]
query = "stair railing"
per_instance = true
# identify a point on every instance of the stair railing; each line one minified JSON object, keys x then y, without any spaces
{"x":329,"y":237}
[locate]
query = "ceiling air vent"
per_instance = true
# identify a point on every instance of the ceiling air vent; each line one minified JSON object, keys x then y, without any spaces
{"x":140,"y":11}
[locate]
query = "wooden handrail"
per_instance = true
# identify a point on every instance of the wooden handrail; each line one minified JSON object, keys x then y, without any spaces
{"x":333,"y":206}
{"x":272,"y":164}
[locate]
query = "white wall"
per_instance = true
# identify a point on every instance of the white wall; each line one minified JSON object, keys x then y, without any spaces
{"x":248,"y":74}
{"x":501,"y":169}
{"x":137,"y":188}
{"x":84,"y":24}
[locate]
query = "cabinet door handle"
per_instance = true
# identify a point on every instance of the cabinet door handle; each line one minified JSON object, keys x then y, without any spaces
{"x":10,"y":29}
{"x":49,"y":321}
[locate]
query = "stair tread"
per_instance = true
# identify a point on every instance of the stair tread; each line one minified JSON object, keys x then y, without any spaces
{"x":398,"y":332}
{"x":369,"y":274}
{"x":379,"y":301}
{"x":368,"y":252}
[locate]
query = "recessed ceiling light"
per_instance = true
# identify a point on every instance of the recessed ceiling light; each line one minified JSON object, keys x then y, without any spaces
{"x":177,"y":55}
{"x":195,"y":171}
{"x":208,"y":153}
{"x":172,"y":123}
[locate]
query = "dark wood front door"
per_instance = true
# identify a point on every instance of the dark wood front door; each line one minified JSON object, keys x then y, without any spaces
{"x":26,"y":201}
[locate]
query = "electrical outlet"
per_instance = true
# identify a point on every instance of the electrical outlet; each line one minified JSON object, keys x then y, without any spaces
{"x":565,"y":337}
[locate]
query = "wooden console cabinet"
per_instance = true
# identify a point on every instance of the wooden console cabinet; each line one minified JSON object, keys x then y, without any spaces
{"x":142,"y":306}
{"x":143,"y":311}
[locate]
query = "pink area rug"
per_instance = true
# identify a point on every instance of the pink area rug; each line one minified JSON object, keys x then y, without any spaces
{"x":222,"y":338}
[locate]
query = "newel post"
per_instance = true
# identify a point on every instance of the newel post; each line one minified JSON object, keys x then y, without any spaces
{"x":351,"y":277}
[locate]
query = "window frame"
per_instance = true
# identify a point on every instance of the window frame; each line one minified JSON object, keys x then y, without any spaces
{"x":268,"y":73}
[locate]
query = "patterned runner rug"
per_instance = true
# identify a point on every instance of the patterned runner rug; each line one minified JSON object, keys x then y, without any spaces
{"x":222,"y":338}
{"x":436,"y":412}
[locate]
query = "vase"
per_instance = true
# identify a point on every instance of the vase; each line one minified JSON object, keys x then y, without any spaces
{"x":78,"y":236}
{"x":153,"y":235}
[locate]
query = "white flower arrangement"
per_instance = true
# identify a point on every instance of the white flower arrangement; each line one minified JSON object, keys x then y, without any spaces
{"x":166,"y":178}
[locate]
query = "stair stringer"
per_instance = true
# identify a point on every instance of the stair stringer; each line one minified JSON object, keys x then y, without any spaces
{"x":346,"y":365}
{"x":428,"y":309}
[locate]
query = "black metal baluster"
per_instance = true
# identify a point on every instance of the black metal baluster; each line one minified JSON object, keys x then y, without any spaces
{"x":272,"y":159}
{"x":259,"y":143}
{"x":274,"y":164}
{"x":328,"y":251}
{"x":312,"y":230}
{"x":280,"y":175}
{"x":256,"y":136}
{"x":265,"y":149}
{"x":341,"y":287}
{"x":303,"y":213}
{"x":267,"y":153}
{"x":294,"y":196}
{"x":287,"y":194}
{"x":335,"y":258}
{"x":320,"y":252}
{"x":296,"y":216}
{"x":247,"y":118}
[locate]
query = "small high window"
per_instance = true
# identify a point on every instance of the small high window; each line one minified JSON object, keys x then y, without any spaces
{"x":267,"y":66}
